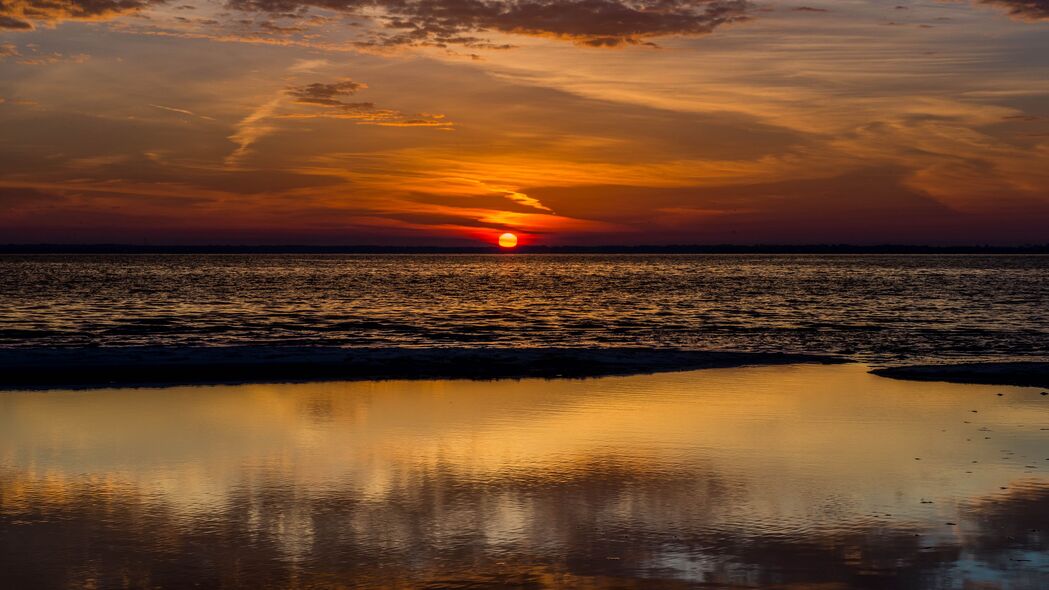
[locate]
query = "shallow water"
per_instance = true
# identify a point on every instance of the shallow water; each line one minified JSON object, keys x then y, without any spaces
{"x":793,"y":476}
{"x":879,"y":309}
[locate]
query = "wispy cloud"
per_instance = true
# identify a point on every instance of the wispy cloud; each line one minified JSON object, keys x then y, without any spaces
{"x":181,"y":111}
{"x":32,"y":56}
{"x":252,"y":128}
{"x":304,"y":66}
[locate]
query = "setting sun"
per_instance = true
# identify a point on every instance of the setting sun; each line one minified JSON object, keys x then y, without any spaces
{"x":508,"y":240}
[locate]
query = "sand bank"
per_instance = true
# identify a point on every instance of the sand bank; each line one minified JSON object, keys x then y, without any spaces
{"x":1033,"y":374}
{"x":78,"y":368}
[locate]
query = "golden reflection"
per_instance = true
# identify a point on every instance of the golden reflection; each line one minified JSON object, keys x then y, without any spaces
{"x":800,"y":458}
{"x":816,"y":427}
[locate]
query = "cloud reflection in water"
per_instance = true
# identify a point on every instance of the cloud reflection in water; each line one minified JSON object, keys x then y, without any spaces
{"x":792,"y":476}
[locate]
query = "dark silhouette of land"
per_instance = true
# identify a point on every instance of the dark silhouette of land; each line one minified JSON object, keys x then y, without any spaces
{"x":132,"y":366}
{"x":608,"y":249}
{"x":1026,"y":374}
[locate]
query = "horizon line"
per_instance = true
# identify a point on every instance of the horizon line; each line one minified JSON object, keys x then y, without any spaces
{"x":887,"y":248}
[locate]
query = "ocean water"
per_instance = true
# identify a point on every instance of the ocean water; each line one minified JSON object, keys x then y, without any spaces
{"x":879,"y":309}
{"x":765,"y":477}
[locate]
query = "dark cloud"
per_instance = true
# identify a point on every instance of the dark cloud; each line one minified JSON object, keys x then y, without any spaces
{"x":783,"y":205}
{"x":280,"y":29}
{"x":21,"y":14}
{"x":873,"y":205}
{"x":326,"y":94}
{"x":9,"y":22}
{"x":1025,"y":9}
{"x":597,"y":23}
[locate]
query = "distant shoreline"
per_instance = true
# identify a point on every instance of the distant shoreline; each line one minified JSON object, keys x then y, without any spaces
{"x":827,"y":249}
{"x":152,"y":366}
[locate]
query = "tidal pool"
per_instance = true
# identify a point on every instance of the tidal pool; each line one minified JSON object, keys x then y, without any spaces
{"x":789,"y":476}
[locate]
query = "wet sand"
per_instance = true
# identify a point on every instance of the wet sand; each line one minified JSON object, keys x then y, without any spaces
{"x":78,"y":368}
{"x":794,"y":476}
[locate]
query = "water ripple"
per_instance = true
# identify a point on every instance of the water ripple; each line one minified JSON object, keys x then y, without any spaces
{"x":876,"y":308}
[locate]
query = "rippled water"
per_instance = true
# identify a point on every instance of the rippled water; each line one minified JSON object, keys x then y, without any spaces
{"x":801,"y":476}
{"x":877,"y":308}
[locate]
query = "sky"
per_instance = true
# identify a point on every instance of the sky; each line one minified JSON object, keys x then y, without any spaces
{"x":449,"y":122}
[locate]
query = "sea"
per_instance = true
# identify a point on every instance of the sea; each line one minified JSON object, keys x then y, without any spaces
{"x":787,"y":476}
{"x":878,"y":309}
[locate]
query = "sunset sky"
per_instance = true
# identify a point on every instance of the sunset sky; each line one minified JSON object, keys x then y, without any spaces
{"x":448,"y":122}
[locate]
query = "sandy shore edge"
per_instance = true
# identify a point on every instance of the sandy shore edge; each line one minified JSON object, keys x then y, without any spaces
{"x":1032,"y":373}
{"x":68,"y":368}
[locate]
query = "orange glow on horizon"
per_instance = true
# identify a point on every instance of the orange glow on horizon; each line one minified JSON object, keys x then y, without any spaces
{"x":568,"y":130}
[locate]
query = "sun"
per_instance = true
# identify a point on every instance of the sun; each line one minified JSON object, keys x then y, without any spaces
{"x":508,"y":240}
